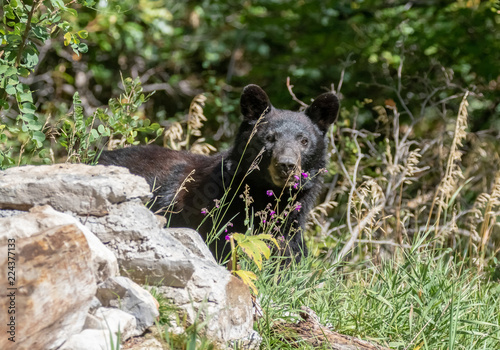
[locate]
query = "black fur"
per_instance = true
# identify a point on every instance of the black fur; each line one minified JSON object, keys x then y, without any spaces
{"x":291,"y":143}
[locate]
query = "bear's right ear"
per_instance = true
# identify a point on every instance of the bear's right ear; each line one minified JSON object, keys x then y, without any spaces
{"x":254,"y":102}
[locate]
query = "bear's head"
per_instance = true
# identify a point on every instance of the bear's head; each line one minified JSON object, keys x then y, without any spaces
{"x":287,"y":143}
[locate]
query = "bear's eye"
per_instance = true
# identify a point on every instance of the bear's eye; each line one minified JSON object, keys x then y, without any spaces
{"x":270,"y":138}
{"x":304,"y":141}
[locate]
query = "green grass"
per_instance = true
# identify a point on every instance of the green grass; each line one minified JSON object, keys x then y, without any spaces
{"x":414,"y":301}
{"x":419,"y":299}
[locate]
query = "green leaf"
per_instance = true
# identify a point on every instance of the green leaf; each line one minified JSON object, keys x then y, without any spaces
{"x":83,"y":34}
{"x":40,"y":32}
{"x":38,"y":137}
{"x":28,"y":107}
{"x":30,"y":55}
{"x":23,"y":72}
{"x":25,"y":97}
{"x":10,"y":71}
{"x":254,"y":246}
{"x":10,"y":89}
{"x":3,"y":68}
{"x":57,"y":4}
{"x":72,"y":11}
{"x":83,"y":48}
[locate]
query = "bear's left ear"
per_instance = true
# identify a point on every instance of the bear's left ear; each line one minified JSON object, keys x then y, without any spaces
{"x":254,"y":102}
{"x":323,"y":111}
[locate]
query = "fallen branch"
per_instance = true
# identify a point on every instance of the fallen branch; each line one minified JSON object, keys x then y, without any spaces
{"x":311,"y":331}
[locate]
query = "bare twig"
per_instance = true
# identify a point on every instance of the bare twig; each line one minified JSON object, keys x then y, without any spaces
{"x":290,"y":87}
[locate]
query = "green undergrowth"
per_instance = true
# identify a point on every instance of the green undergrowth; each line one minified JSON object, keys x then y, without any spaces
{"x":417,"y":300}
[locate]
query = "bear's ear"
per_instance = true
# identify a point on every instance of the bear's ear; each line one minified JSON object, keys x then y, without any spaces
{"x":254,"y":102}
{"x":323,"y":111}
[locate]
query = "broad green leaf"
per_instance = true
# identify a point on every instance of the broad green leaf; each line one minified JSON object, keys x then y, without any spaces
{"x":72,"y":11}
{"x":255,"y":246}
{"x":3,"y":68}
{"x":57,"y":3}
{"x":40,"y":32}
{"x":25,"y":97}
{"x":83,"y":48}
{"x":10,"y":89}
{"x":10,"y":71}
{"x":39,"y":137}
{"x":83,"y":34}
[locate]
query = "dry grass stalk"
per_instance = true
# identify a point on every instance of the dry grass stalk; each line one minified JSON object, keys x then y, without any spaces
{"x":453,"y":172}
{"x":175,"y":138}
{"x":485,"y":212}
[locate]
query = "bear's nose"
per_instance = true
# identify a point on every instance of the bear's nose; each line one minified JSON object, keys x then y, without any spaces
{"x":286,"y":164}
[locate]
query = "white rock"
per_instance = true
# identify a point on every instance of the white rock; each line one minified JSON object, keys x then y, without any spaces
{"x":91,"y":339}
{"x":54,"y":278}
{"x":191,"y":240}
{"x":41,"y":218}
{"x":121,"y":292}
{"x":79,"y":188}
{"x":113,"y":320}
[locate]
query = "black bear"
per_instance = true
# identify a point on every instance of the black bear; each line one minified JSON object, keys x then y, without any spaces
{"x":278,"y":154}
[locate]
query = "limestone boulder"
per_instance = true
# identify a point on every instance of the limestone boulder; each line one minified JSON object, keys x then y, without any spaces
{"x":54,"y":281}
{"x":78,"y":188}
{"x":104,"y":262}
{"x":122,"y":293}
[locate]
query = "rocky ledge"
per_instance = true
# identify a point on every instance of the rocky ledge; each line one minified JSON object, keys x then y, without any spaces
{"x":81,"y":242}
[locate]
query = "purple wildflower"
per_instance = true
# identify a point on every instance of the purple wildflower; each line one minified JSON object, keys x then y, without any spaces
{"x":204,"y":211}
{"x":298,"y":206}
{"x":228,"y":237}
{"x":304,"y":175}
{"x":296,"y":185}
{"x":263,"y":221}
{"x":272,"y":213}
{"x":270,"y":193}
{"x":296,"y":177}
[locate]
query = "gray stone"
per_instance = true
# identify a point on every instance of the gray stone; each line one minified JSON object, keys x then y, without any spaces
{"x":191,"y":240}
{"x":79,"y":188}
{"x":54,"y":278}
{"x":216,"y":296}
{"x":113,"y":320}
{"x":109,"y":202}
{"x":250,"y":342}
{"x":91,"y":339}
{"x":121,"y":292}
{"x":40,"y":218}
